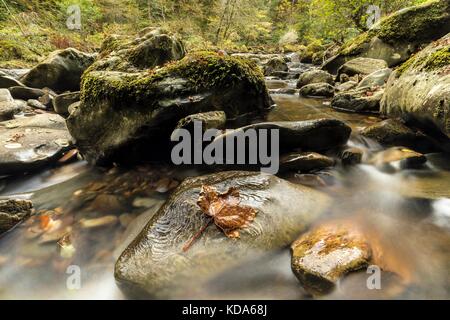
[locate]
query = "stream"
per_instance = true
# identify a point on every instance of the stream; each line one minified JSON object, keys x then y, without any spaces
{"x":87,"y":216}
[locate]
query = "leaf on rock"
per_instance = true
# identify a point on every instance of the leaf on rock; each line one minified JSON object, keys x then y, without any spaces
{"x":225,"y":210}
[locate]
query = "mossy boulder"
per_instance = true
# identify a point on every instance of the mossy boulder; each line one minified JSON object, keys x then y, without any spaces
{"x":274,"y":65}
{"x":153,"y":47}
{"x":155,"y":265}
{"x":127,"y":116}
{"x":60,"y":71}
{"x":421,"y":86}
{"x":396,"y":37}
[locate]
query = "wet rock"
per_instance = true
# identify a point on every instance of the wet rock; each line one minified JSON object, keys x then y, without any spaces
{"x":275,"y":65}
{"x":313,"y":135}
{"x":154,"y":265}
{"x":26,"y":93}
{"x":346,"y":86}
{"x":7,"y":82}
{"x":309,"y":180}
{"x":153,"y":103}
{"x":26,"y":144}
{"x":375,"y":79}
{"x":305,"y":162}
{"x":327,"y":253}
{"x":351,"y":156}
{"x":358,"y":101}
{"x":362,"y":66}
{"x":154,"y":47}
{"x":314,"y":76}
{"x":12,"y":212}
{"x":317,"y":90}
{"x":8,"y":107}
{"x":62,"y":102}
{"x":398,"y":36}
{"x":393,"y":132}
{"x":406,"y":158}
{"x":60,"y":71}
{"x":209,"y":120}
{"x":36,"y":104}
{"x":421,"y":86}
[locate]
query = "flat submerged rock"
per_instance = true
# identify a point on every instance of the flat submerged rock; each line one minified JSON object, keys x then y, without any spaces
{"x":29,"y":143}
{"x":154,"y":265}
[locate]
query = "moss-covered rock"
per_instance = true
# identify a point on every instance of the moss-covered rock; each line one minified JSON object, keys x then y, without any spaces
{"x":396,"y":37}
{"x":126,"y":116}
{"x":421,"y":86}
{"x":151,"y":48}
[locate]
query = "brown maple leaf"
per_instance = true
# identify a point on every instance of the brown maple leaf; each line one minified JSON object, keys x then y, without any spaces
{"x":225,"y":210}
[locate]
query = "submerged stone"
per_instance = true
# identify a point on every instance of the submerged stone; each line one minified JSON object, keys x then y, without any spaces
{"x":327,"y":253}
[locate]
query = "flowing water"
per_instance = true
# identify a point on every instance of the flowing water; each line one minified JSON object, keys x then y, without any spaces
{"x":86,"y":216}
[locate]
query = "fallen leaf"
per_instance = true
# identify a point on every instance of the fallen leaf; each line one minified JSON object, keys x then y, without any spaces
{"x":225,"y":211}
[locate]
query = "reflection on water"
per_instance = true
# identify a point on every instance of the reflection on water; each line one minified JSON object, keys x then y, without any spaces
{"x":85,"y":217}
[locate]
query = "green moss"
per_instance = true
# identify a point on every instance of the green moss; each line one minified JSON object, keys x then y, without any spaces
{"x":354,"y":46}
{"x":415,"y":23}
{"x":203,"y":70}
{"x":408,"y":25}
{"x":438,"y":59}
{"x":428,"y":61}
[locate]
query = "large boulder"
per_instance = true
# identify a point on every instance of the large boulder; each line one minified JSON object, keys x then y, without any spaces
{"x":153,"y":47}
{"x":396,"y":37}
{"x":421,"y":86}
{"x":314,"y":76}
{"x":157,"y":265}
{"x":311,"y":135}
{"x":32,"y":142}
{"x":60,"y":71}
{"x":125,"y":116}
